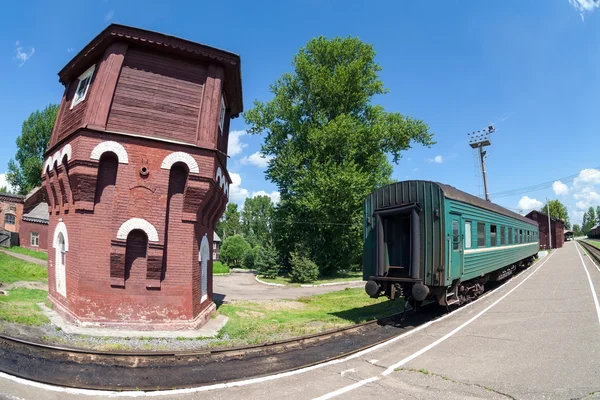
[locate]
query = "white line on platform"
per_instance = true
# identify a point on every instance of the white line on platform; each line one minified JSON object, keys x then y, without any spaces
{"x":393,"y":367}
{"x":90,"y":392}
{"x":590,"y":281}
{"x":347,"y":388}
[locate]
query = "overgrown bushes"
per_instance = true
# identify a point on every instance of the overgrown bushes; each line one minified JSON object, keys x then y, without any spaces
{"x":220,"y":268}
{"x":266,"y":262}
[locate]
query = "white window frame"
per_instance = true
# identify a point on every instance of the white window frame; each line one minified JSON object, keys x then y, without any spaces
{"x":34,"y":237}
{"x":222,"y":115}
{"x":6,"y":219}
{"x":87,"y":74}
{"x":214,"y":255}
{"x":468,"y":232}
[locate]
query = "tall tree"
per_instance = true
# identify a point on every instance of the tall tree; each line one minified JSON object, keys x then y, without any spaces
{"x":233,"y":250}
{"x":256,"y":220}
{"x":557,"y":210}
{"x":330,"y":146}
{"x":229,"y":224}
{"x":589,"y":221}
{"x":25,"y":172}
{"x":576,"y":230}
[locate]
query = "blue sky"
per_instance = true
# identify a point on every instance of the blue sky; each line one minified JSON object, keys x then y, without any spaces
{"x":532,"y":67}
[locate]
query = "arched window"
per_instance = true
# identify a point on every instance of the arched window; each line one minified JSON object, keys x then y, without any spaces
{"x":61,"y":265}
{"x":204,"y":257}
{"x":136,"y":255}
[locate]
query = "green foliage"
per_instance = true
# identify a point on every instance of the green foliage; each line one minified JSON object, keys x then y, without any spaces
{"x":256,"y":220}
{"x":31,"y":253}
{"x":330,"y":146}
{"x":4,"y":189}
{"x":233,"y":250}
{"x":250,"y":256}
{"x":20,"y":306}
{"x":220,"y":268}
{"x":589,"y":220}
{"x":229,"y":224}
{"x":266,"y":262}
{"x":25,"y":172}
{"x":557,"y":210}
{"x":302,"y":269}
{"x":577,"y":230}
{"x":14,"y":269}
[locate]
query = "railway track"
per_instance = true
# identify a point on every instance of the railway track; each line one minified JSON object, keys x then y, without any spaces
{"x":126,"y":371}
{"x":151,"y":371}
{"x":592,"y":250}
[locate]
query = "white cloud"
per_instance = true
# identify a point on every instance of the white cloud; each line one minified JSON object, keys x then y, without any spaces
{"x":585,"y":6}
{"x":560,"y":188}
{"x":581,"y":205}
{"x":109,"y":15}
{"x":275,"y":196}
{"x":436,"y":159}
{"x":529,"y":204}
{"x":237,"y":193}
{"x":576,"y":217}
{"x":23,"y":56}
{"x":3,"y":182}
{"x":587,"y":199}
{"x":589,"y":176}
{"x":235,"y":146}
{"x":257,"y":159}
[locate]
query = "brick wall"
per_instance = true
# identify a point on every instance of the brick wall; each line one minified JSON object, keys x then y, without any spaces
{"x":25,"y":234}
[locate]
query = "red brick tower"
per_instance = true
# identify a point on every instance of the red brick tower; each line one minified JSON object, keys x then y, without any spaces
{"x":136,"y":176}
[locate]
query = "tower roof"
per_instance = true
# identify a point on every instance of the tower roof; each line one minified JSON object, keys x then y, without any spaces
{"x":165,"y":44}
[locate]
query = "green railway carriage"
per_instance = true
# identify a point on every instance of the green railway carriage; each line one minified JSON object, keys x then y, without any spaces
{"x":425,"y":239}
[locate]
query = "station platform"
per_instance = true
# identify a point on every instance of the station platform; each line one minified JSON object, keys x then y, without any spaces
{"x":535,"y":337}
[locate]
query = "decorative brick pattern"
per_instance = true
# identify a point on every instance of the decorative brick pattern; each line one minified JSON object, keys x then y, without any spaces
{"x":138,"y":223}
{"x":180,"y":156}
{"x":110,"y":146}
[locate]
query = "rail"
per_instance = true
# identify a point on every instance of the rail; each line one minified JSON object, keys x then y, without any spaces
{"x":592,"y":250}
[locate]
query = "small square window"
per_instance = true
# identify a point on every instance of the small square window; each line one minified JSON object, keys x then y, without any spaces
{"x":222,"y":115}
{"x":34,"y":239}
{"x":10,"y":219}
{"x":83,"y":86}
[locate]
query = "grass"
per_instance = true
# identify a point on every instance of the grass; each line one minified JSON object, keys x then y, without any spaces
{"x":220,"y":268}
{"x":20,"y":306}
{"x":594,"y":242}
{"x":14,"y":269}
{"x":31,"y":253}
{"x":257,"y":322}
{"x":340,"y":277}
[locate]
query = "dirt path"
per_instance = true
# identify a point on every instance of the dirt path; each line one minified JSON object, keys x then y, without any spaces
{"x":25,"y":258}
{"x":243,"y":286}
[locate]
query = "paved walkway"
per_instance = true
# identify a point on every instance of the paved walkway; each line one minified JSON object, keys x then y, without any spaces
{"x":243,"y":286}
{"x":25,"y":257}
{"x":536,"y":337}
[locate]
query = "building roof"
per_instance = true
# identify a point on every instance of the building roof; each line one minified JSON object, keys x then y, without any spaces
{"x":15,"y":198}
{"x":165,"y":44}
{"x":544,"y":216}
{"x":453,"y":193}
{"x":216,"y":237}
{"x":38,"y":214}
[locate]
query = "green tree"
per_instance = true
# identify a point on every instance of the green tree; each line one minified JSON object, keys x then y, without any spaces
{"x":330,"y":147}
{"x":229,"y":224}
{"x":266,"y":262}
{"x":589,"y":221}
{"x":576,"y":230}
{"x":3,"y":189}
{"x":557,"y":210}
{"x":302,"y":269}
{"x":25,"y":171}
{"x":256,"y":220}
{"x":233,"y":250}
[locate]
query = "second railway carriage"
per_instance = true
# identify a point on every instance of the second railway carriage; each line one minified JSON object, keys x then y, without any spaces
{"x":426,"y":239}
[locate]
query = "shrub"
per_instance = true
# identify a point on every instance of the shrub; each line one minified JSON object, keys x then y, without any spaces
{"x":266,"y":262}
{"x":220,"y":268}
{"x":249,"y":257}
{"x":233,"y":250}
{"x":302,"y":269}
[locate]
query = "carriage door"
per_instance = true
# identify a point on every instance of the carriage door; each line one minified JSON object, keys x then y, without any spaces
{"x":456,"y":247}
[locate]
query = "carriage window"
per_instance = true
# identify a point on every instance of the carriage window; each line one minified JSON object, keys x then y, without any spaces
{"x":455,"y":238}
{"x":510,"y":236}
{"x":492,"y":235}
{"x":502,"y":236}
{"x":468,"y":235}
{"x":480,"y":234}
{"x":520,"y":235}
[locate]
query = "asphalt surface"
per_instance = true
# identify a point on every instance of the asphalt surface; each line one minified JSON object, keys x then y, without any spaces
{"x":537,"y":337}
{"x":243,"y":286}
